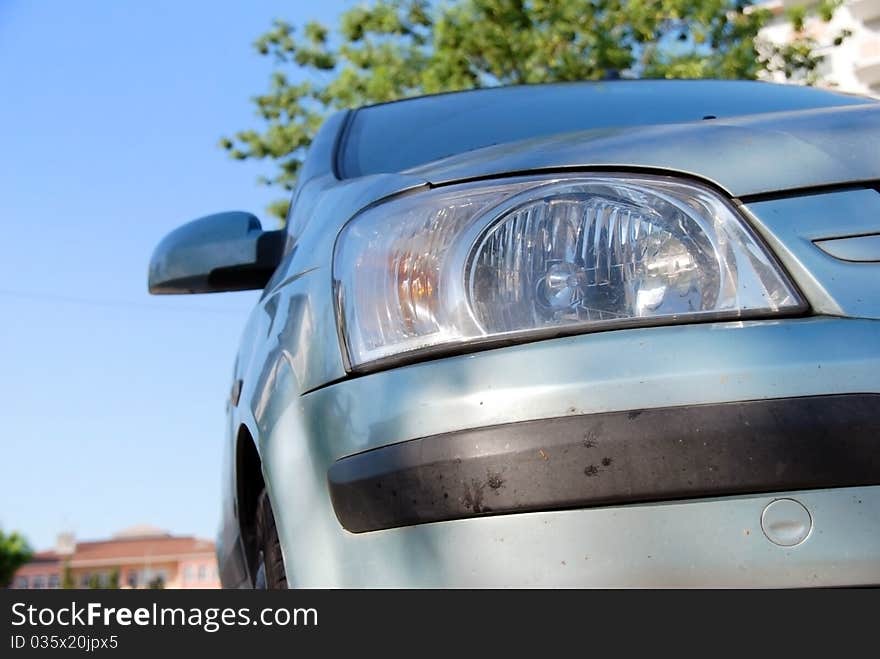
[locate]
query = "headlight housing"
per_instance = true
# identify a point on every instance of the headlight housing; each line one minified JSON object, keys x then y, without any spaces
{"x":543,"y":257}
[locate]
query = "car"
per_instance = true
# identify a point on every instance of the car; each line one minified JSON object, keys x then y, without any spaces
{"x":593,"y":334}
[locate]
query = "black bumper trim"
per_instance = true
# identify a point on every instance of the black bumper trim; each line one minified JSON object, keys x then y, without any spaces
{"x":613,"y":458}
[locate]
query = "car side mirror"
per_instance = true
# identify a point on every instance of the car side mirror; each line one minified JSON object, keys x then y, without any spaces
{"x":221,"y":252}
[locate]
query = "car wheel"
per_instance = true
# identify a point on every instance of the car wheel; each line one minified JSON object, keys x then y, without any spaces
{"x":270,"y":574}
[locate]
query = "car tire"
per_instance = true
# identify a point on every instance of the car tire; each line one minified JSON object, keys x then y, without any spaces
{"x":270,"y":573}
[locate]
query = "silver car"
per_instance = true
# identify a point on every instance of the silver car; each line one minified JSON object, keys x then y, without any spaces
{"x":623,"y":333}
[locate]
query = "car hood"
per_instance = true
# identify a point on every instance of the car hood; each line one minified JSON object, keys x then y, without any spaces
{"x":746,"y":155}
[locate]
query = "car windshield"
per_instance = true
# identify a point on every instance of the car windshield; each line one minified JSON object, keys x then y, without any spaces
{"x":393,"y":137}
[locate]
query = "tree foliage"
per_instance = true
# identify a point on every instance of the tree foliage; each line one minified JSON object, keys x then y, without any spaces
{"x":67,"y":580}
{"x":392,"y":49}
{"x":105,"y":580}
{"x":14,"y":552}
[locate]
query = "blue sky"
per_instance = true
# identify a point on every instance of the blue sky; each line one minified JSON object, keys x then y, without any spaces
{"x":113,"y":400}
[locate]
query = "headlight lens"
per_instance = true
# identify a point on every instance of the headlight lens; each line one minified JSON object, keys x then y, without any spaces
{"x":555,"y":255}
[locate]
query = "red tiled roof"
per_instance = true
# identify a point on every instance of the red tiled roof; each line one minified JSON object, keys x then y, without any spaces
{"x":44,"y":556}
{"x":139,"y":548}
{"x":43,"y":568}
{"x":42,"y":563}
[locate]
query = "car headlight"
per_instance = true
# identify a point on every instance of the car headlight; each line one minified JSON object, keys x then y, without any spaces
{"x":545,"y":257}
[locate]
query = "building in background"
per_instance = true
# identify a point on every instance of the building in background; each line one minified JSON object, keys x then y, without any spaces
{"x":853,"y":65}
{"x":139,"y":557}
{"x":43,"y":571}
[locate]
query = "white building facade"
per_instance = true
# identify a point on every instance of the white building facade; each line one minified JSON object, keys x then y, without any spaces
{"x":854,"y":65}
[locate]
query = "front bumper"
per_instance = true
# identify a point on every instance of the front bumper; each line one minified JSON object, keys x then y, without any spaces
{"x":692,"y":540}
{"x":613,"y":458}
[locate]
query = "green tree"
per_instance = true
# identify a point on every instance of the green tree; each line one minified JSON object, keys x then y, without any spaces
{"x":105,"y":580}
{"x":392,"y":49}
{"x":67,"y":580}
{"x":14,"y":552}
